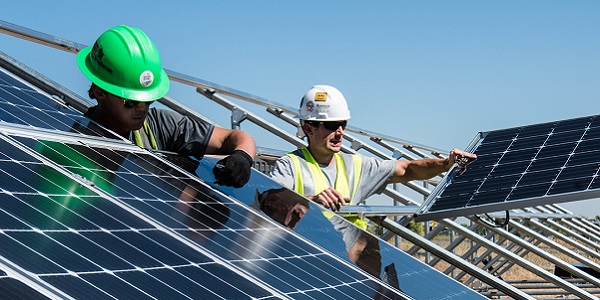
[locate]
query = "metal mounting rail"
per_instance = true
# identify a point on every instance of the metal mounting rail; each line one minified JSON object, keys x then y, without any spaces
{"x":378,"y":210}
{"x":454,"y":259}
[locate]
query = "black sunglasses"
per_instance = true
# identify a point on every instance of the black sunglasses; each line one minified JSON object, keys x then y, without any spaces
{"x":132,"y":103}
{"x":331,"y":125}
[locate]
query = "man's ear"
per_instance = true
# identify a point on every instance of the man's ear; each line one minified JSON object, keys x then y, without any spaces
{"x":307,"y":129}
{"x":99,"y":93}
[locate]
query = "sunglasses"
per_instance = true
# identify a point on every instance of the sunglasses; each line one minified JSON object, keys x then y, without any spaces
{"x":132,"y":103}
{"x":331,"y":125}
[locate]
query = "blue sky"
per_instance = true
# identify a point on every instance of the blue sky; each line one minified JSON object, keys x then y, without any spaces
{"x":432,"y":72}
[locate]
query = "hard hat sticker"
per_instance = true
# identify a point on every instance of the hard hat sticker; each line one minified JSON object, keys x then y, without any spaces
{"x":146,"y":78}
{"x":310,"y":106}
{"x":321,"y":96}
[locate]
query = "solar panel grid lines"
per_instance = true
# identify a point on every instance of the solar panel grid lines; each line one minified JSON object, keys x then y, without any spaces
{"x":524,"y":166}
{"x":155,"y":202}
{"x":12,"y":81}
{"x":16,"y":283}
{"x":412,"y":277}
{"x":84,"y":233}
{"x":28,"y":106}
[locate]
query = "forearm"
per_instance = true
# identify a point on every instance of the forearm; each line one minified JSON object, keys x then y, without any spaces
{"x":225,"y":141}
{"x":419,"y":169}
{"x":241,"y":140}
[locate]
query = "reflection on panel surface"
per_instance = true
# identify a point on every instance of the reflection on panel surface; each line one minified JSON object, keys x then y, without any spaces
{"x":86,"y":245}
{"x":341,"y":238}
{"x":523,"y":167}
{"x":129,"y":225}
{"x":24,"y":105}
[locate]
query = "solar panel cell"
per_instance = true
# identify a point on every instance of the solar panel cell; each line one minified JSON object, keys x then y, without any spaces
{"x":26,"y":257}
{"x":11,"y":288}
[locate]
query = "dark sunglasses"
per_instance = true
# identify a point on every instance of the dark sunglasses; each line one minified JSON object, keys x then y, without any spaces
{"x":331,"y":125}
{"x":132,"y":103}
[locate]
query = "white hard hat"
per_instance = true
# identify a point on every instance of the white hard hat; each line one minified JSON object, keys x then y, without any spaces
{"x":323,"y":103}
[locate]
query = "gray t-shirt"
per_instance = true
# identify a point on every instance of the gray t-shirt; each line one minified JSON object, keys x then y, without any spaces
{"x":175,"y":132}
{"x":374,"y":175}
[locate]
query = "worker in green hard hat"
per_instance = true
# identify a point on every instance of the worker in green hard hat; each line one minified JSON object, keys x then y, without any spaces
{"x":127,"y":77}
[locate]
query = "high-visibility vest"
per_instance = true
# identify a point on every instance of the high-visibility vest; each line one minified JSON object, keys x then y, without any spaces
{"x":320,"y":182}
{"x":138,"y":140}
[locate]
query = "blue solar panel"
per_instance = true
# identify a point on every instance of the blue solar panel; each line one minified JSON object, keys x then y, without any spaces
{"x":523,"y":167}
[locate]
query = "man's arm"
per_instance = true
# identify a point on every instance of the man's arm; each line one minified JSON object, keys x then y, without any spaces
{"x":422,"y":169}
{"x":225,"y":141}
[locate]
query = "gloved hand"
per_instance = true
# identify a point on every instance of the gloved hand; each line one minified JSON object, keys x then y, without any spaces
{"x":233,"y":170}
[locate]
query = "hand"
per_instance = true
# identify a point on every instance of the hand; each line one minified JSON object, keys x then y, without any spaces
{"x":462,"y":158}
{"x":331,"y":198}
{"x":233,"y":170}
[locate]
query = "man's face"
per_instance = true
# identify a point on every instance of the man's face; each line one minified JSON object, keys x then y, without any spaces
{"x":122,"y":115}
{"x":327,"y":136}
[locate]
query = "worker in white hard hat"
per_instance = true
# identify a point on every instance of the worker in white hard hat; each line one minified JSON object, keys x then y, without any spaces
{"x":325,"y":175}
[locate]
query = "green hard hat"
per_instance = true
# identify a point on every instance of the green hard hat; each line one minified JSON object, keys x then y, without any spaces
{"x":126,"y":63}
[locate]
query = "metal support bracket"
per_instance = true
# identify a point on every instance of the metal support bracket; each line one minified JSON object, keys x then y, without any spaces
{"x":237,"y":117}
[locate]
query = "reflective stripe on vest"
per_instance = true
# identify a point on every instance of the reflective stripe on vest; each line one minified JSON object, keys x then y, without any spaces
{"x":138,"y":140}
{"x":320,"y":182}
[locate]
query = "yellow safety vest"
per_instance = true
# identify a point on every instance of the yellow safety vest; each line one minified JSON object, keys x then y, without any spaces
{"x":137,"y":137}
{"x":320,"y":182}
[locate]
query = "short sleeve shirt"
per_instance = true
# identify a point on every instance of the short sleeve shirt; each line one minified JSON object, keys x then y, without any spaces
{"x":177,"y":133}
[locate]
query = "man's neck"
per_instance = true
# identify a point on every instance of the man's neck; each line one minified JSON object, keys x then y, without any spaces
{"x":322,"y":157}
{"x":101,"y":118}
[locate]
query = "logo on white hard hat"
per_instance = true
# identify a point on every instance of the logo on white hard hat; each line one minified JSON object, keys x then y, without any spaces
{"x":310,"y":106}
{"x":146,"y":78}
{"x":321,"y":96}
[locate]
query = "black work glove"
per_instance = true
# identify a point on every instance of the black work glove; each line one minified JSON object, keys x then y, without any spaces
{"x":233,"y":170}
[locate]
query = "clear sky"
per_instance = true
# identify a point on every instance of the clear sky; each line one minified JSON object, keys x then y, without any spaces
{"x":432,"y":72}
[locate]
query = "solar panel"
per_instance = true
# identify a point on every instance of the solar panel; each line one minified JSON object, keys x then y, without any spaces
{"x":523,"y":167}
{"x":85,"y":217}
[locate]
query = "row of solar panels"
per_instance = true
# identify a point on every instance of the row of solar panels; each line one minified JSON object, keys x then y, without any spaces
{"x":85,"y":214}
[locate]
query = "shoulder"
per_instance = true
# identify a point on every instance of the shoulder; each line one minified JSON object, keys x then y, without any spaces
{"x":297,"y":152}
{"x":163,"y":113}
{"x":283,"y":160}
{"x":383,"y":165}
